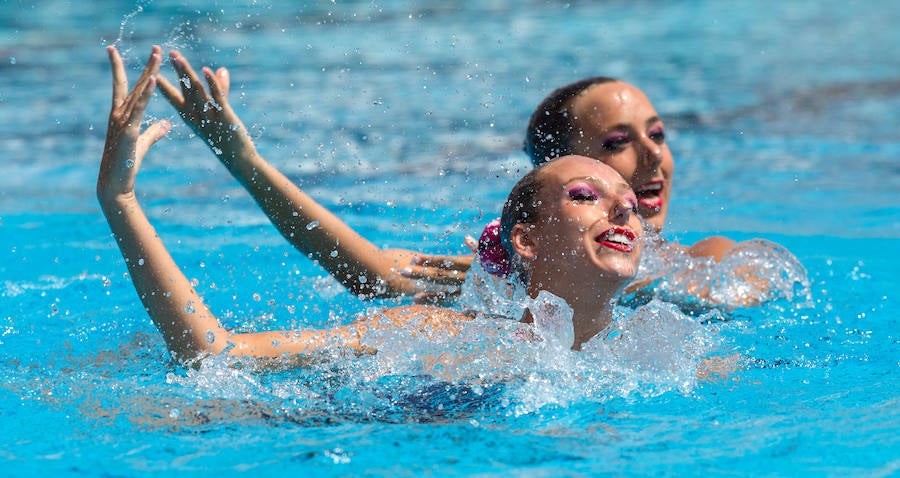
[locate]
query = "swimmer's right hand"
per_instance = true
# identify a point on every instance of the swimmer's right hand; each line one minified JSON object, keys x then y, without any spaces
{"x":126,"y":145}
{"x":208,"y":114}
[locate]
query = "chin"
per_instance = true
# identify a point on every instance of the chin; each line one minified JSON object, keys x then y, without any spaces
{"x":623,"y":268}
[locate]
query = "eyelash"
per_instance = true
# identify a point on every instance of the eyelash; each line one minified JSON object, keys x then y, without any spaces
{"x":616,"y":143}
{"x":634,"y":206}
{"x":658,"y":135}
{"x":582,"y":194}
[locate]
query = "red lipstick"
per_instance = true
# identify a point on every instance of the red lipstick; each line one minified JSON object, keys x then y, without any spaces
{"x":617,"y":238}
{"x":650,"y":194}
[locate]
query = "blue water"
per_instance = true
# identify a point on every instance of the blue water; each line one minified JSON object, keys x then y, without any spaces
{"x":407,"y":120}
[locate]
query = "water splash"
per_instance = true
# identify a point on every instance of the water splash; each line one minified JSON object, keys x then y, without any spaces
{"x":492,"y":295}
{"x":751,"y":273}
{"x":48,"y":282}
{"x":124,"y":29}
{"x":553,"y":320}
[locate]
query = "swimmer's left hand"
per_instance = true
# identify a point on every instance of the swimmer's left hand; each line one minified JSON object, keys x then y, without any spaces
{"x":437,"y":269}
{"x":441,"y":270}
{"x":208,"y":113}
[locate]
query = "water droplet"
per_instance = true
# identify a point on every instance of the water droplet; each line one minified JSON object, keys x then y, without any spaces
{"x":12,"y":60}
{"x":210,"y":337}
{"x":190,"y":309}
{"x":129,"y":163}
{"x":312,"y":225}
{"x":333,"y":253}
{"x":141,"y":261}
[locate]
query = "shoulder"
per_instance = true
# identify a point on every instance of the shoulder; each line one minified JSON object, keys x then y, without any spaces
{"x":713,"y":246}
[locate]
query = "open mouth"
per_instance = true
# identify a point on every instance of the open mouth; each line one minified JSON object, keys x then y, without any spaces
{"x":617,"y":238}
{"x":650,"y":194}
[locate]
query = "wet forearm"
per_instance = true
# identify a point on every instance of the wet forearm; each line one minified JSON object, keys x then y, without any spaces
{"x":176,"y":309}
{"x":358,"y":264}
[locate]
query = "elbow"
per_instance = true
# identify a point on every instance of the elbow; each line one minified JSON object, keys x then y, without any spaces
{"x":189,"y":347}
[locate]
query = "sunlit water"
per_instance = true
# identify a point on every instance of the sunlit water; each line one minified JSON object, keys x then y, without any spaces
{"x":407,"y":121}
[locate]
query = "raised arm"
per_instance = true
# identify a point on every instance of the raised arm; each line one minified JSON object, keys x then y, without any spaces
{"x":176,"y":309}
{"x":358,"y":264}
{"x":186,"y":323}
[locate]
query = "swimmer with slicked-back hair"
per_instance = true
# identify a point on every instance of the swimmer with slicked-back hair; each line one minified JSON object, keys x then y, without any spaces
{"x":602,"y":118}
{"x":570,"y":226}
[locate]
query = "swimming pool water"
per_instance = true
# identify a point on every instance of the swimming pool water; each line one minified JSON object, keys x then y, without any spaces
{"x":407,"y":118}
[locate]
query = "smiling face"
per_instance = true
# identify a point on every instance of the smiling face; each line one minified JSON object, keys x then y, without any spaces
{"x":586,"y":232}
{"x":615,"y":123}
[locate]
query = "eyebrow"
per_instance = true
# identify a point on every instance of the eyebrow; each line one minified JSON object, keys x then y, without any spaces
{"x":655,"y":119}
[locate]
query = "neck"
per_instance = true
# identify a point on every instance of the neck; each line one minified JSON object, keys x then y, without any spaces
{"x":591,"y":305}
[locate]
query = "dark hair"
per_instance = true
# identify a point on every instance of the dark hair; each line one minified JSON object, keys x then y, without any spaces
{"x":521,"y":207}
{"x":550,"y":130}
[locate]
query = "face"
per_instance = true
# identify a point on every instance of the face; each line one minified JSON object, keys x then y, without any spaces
{"x":616,"y":124}
{"x":587,"y":216}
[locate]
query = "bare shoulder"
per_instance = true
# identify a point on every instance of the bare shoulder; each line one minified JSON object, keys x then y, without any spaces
{"x":713,"y":246}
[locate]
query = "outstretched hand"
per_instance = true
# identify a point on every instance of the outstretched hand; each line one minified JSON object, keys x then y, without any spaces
{"x":207,"y":113}
{"x":440,"y":270}
{"x":445,"y":270}
{"x":125,"y":144}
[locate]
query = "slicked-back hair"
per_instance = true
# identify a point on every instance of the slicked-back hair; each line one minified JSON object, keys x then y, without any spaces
{"x":551,"y":127}
{"x":521,"y":207}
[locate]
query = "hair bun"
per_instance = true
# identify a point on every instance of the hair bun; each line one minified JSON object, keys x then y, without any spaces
{"x":493,"y":256}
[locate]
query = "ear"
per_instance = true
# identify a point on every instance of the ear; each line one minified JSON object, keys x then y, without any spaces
{"x":523,"y":241}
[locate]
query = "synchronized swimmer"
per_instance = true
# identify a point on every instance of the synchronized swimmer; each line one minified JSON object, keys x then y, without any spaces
{"x":601,"y":118}
{"x":570,"y":226}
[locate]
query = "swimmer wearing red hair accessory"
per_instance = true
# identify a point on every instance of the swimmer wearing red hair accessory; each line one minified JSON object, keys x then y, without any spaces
{"x":493,"y":256}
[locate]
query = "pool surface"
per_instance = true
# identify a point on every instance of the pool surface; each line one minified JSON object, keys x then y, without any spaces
{"x":407,"y":120}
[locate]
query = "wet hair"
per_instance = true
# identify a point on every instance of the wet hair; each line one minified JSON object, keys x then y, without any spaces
{"x":521,"y":207}
{"x":551,"y":128}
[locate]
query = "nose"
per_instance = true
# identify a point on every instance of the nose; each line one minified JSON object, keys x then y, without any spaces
{"x":622,"y":210}
{"x":651,"y":152}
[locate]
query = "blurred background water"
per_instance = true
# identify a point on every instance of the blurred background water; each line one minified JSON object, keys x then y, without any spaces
{"x":407,"y":119}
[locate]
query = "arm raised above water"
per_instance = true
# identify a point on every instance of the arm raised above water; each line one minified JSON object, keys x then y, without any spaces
{"x":357,"y":263}
{"x":170,"y":300}
{"x":178,"y":311}
{"x":188,"y":327}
